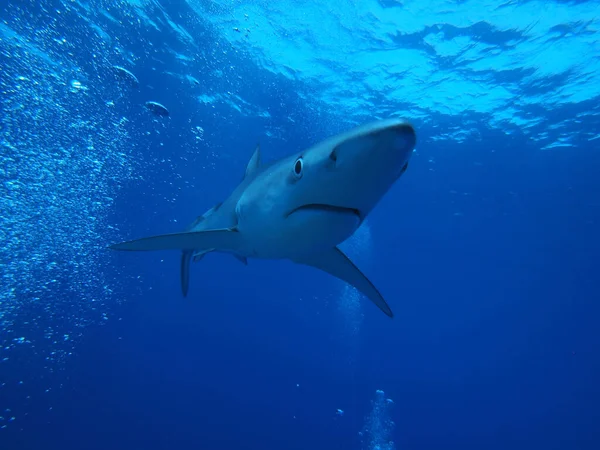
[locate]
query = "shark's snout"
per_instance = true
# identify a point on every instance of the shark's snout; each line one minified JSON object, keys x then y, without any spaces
{"x":388,"y":142}
{"x":397,"y":144}
{"x":403,"y":145}
{"x":404,"y":140}
{"x":367,"y":163}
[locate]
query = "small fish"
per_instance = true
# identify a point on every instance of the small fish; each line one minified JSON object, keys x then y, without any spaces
{"x":157,"y":109}
{"x":125,"y":75}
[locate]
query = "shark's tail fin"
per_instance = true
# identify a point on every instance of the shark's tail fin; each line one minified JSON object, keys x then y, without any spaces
{"x":186,"y":257}
{"x":209,"y":240}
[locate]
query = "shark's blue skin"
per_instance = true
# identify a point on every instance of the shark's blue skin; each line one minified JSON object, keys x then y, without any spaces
{"x":302,"y":206}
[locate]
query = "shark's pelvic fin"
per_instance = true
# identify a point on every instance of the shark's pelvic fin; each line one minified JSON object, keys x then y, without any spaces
{"x":186,"y":256}
{"x":241,"y":259}
{"x":200,"y":254}
{"x":228,"y":239}
{"x":196,"y":256}
{"x":336,"y":263}
{"x":254,"y":163}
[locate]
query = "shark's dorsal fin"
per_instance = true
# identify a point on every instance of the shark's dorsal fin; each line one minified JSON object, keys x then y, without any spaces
{"x":254,"y":163}
{"x":336,"y":263}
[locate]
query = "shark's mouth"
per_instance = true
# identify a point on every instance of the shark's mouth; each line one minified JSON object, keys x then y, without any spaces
{"x":327,"y":208}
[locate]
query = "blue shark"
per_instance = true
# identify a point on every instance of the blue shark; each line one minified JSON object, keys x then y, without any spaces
{"x":300,"y":207}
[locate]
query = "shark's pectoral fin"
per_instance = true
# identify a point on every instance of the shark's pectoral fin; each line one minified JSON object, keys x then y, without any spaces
{"x":203,"y":217}
{"x":339,"y":265}
{"x":185,"y":271}
{"x":221,"y":240}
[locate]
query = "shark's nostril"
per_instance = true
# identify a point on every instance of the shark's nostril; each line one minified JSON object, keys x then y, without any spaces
{"x":333,"y":155}
{"x":404,"y":168}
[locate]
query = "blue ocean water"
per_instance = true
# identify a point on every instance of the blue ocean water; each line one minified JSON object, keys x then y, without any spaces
{"x":486,"y":248}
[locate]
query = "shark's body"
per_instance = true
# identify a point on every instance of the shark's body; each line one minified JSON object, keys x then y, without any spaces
{"x":302,"y":206}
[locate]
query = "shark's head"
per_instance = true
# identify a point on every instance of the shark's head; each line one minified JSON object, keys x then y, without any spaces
{"x":351,"y":172}
{"x":317,"y":198}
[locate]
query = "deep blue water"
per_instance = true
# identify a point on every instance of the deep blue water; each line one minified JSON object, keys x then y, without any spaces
{"x":486,"y":248}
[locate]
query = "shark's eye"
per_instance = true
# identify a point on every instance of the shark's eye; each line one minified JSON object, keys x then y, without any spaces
{"x":298,"y":167}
